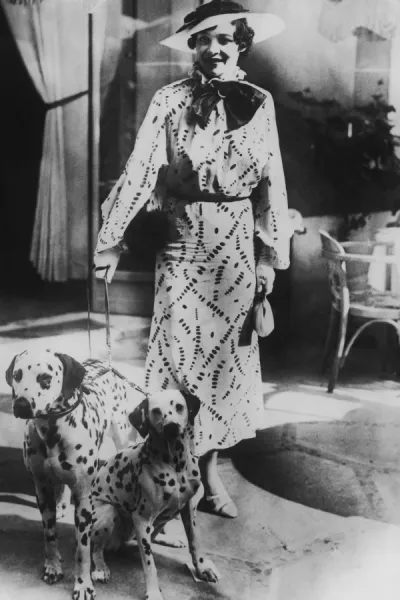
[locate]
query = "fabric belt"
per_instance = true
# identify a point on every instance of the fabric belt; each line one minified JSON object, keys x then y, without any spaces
{"x":191,"y":198}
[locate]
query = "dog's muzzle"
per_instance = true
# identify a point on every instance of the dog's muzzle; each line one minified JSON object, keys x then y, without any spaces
{"x":22,"y":409}
{"x":171,"y":431}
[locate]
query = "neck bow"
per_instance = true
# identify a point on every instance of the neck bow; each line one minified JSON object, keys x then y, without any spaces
{"x":241,"y":101}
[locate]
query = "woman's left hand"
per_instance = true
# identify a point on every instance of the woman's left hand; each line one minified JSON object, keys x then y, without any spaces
{"x":265,"y":277}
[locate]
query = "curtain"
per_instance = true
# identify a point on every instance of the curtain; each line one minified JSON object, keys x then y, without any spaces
{"x":52,"y":37}
{"x":340,"y":18}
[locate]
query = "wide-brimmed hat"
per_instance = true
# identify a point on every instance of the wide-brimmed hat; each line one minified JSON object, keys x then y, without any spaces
{"x":217,"y":12}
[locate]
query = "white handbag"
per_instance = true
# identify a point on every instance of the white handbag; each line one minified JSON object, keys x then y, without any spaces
{"x":263,"y":318}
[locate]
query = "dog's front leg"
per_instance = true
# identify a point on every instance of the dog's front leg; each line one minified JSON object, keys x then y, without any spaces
{"x":143,"y":530}
{"x":83,"y":588}
{"x":35,"y":454}
{"x":205,"y":568}
{"x":52,"y":570}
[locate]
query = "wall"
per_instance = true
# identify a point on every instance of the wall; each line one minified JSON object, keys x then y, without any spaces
{"x":302,"y":58}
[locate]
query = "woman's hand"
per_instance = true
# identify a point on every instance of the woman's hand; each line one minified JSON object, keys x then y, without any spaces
{"x":265,"y":277}
{"x":105,"y":263}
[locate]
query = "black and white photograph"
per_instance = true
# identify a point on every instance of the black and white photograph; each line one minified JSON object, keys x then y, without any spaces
{"x":200,"y":299}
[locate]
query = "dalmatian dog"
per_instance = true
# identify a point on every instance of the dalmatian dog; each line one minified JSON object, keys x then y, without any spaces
{"x":143,"y":487}
{"x":69,"y":408}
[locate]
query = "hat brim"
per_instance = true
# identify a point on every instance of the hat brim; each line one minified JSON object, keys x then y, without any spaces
{"x":265,"y":25}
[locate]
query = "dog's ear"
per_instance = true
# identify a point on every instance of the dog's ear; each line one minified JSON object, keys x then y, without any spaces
{"x":193,"y":404}
{"x":139,"y":418}
{"x":74,"y":373}
{"x":10,"y":370}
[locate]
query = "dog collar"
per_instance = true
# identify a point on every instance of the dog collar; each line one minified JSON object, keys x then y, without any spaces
{"x":57,"y":414}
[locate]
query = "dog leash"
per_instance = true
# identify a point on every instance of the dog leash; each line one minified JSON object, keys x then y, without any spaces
{"x":107,"y":314}
{"x":108,"y":327}
{"x":88,"y":282}
{"x":53,"y":415}
{"x":108,"y":335}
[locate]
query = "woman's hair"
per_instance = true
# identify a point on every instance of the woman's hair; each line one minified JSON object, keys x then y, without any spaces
{"x":243,"y":36}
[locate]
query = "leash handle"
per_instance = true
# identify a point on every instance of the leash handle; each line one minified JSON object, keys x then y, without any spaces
{"x":107,"y":311}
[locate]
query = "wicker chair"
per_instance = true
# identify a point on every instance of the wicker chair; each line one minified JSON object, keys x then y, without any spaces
{"x":365,"y":302}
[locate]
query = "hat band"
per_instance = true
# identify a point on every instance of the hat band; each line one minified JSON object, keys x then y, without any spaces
{"x":211,"y":9}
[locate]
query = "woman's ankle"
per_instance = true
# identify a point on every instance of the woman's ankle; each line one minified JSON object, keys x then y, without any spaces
{"x":213,"y":484}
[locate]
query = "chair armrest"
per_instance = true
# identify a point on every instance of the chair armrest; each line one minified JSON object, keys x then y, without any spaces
{"x":366,"y":258}
{"x":368,"y":244}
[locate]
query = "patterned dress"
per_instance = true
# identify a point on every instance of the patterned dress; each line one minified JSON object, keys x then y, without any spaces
{"x":201,"y":336}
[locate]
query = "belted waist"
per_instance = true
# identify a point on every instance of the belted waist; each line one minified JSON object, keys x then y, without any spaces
{"x":205,"y":197}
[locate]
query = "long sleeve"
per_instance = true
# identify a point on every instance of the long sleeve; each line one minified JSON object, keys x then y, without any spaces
{"x":138,"y":180}
{"x":272,"y":225}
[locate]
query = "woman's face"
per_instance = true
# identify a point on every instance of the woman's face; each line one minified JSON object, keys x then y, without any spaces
{"x":216,"y":50}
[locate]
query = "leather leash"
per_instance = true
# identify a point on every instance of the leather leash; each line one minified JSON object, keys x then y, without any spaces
{"x":108,"y":333}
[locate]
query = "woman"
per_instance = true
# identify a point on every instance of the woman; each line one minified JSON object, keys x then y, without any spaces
{"x":208,"y":156}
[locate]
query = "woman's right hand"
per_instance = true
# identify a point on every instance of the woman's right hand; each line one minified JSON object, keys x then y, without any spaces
{"x":105,"y":263}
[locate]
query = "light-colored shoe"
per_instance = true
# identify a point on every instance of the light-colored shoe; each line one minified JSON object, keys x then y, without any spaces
{"x":220,"y":504}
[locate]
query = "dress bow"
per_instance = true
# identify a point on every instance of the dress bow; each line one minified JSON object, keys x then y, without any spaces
{"x":241,"y":101}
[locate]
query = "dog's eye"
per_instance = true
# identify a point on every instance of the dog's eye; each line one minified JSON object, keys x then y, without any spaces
{"x":156,"y":412}
{"x":179,"y":408}
{"x":17,"y":376}
{"x":44,"y":380}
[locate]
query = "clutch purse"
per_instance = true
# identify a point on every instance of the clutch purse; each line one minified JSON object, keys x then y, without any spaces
{"x":147,"y":233}
{"x":263,"y":318}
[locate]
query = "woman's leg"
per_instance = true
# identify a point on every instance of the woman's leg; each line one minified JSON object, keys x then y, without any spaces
{"x":216,"y":498}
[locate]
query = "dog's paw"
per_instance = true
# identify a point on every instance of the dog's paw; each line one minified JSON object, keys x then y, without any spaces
{"x":82,"y":591}
{"x":101,"y":574}
{"x":154,"y":595}
{"x":207,"y":571}
{"x":172,"y":541}
{"x":52,"y":572}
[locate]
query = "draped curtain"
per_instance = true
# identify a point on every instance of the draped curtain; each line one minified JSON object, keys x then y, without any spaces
{"x":340,"y":18}
{"x":52,"y":38}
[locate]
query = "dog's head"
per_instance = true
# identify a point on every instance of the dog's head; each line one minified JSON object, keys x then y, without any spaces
{"x":38,"y":378}
{"x":168,"y":413}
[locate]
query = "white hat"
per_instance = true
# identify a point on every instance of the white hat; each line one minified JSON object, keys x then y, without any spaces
{"x":216,"y":12}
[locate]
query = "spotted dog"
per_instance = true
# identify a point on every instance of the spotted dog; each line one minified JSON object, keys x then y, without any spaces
{"x":148,"y":485}
{"x":69,"y":408}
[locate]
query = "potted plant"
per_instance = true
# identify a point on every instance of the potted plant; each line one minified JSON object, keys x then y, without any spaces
{"x":355,"y":150}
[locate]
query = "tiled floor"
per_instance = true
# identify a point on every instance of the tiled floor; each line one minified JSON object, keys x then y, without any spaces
{"x":318,"y":489}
